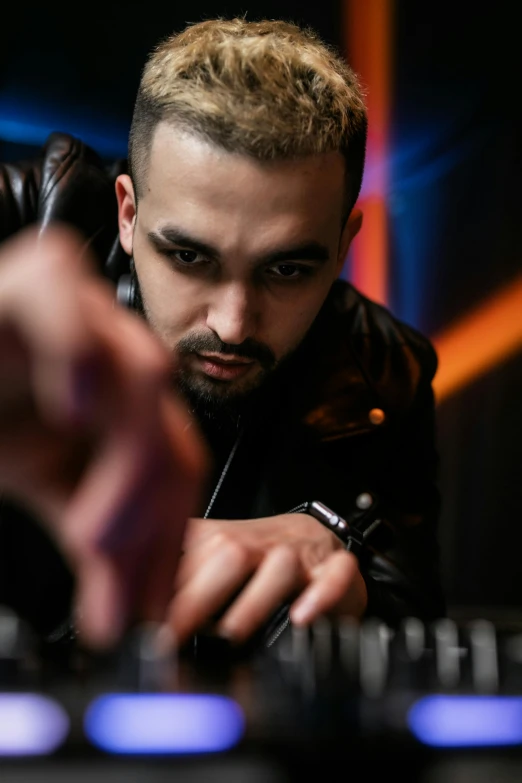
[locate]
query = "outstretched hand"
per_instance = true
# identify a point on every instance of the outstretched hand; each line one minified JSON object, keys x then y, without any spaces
{"x":91,"y":436}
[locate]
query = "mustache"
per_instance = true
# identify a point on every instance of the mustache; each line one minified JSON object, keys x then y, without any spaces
{"x":210,"y":343}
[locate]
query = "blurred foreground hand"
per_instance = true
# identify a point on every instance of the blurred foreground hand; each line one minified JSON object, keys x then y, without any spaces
{"x":92,"y":439}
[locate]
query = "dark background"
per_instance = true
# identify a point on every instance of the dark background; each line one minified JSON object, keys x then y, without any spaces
{"x":454,"y":204}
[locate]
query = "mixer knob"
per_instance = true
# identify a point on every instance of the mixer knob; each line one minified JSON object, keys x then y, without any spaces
{"x":302,"y":660}
{"x":322,"y":641}
{"x":483,"y":656}
{"x":447,"y":653}
{"x":15,"y":645}
{"x":146,"y":660}
{"x":374,"y":657}
{"x":410,"y":658}
{"x":414,"y":633}
{"x":349,"y":648}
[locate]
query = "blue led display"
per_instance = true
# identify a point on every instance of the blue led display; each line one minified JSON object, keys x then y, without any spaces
{"x":163,"y":723}
{"x":467,"y":721}
{"x":31,"y":724}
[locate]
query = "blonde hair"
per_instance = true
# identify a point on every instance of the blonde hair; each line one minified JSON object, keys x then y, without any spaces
{"x":267,"y":89}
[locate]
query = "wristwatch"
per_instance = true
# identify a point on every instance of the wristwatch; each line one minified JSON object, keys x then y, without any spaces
{"x":363,"y":521}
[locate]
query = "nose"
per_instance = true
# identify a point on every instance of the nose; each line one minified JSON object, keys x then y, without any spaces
{"x":232,"y":313}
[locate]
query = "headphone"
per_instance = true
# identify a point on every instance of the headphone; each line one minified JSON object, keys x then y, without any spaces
{"x":127,"y":292}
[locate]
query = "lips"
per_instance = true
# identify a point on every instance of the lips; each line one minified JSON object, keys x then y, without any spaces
{"x":224,"y":369}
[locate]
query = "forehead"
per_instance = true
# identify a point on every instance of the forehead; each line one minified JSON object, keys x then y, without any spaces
{"x":187,"y":174}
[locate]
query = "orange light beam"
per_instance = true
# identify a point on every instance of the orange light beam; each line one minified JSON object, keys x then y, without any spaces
{"x":368,"y":46}
{"x":480,"y":340}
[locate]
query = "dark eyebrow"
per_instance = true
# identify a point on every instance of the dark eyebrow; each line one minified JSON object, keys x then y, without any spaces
{"x":174,"y":236}
{"x":308,"y":251}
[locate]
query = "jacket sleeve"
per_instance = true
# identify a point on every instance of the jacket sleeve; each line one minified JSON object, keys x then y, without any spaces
{"x":395,"y":461}
{"x":402,"y":563}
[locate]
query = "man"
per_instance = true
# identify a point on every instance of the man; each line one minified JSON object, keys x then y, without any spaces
{"x":245,"y":161}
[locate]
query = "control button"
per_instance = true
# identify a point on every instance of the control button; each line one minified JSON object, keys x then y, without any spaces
{"x":364,"y":501}
{"x":376,"y":416}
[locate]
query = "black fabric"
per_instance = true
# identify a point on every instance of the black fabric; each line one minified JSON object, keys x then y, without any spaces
{"x":309,"y":436}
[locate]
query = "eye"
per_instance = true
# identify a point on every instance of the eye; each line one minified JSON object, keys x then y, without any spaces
{"x":188,"y":257}
{"x":289,"y":271}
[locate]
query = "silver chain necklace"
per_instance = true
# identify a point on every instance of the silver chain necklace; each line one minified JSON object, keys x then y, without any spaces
{"x":276,"y":633}
{"x":223,"y":474}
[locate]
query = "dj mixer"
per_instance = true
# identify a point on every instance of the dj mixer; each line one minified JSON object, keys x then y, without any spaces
{"x":430,"y":703}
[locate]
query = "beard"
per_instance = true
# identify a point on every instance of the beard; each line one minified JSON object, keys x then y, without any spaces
{"x":214,"y":402}
{"x":214,"y":399}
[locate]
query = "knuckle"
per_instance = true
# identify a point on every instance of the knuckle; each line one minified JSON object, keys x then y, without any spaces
{"x":218,"y":539}
{"x":343,"y":569}
{"x":286,"y":556}
{"x":232,"y":550}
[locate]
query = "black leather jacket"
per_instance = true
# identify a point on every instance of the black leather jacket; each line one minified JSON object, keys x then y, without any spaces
{"x":315,"y":434}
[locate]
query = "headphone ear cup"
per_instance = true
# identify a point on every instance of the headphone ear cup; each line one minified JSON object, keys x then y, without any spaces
{"x":126,"y":290}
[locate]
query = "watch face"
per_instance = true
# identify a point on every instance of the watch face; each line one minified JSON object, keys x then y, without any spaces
{"x":330,"y":519}
{"x":353,"y":537}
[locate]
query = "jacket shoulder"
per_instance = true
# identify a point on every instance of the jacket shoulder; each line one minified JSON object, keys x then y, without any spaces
{"x":66,"y":182}
{"x":380,"y":341}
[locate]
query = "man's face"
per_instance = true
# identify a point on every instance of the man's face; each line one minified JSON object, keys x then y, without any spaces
{"x":234,"y":256}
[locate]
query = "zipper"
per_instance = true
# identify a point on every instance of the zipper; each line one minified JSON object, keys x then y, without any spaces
{"x":298,"y":509}
{"x":274,"y":636}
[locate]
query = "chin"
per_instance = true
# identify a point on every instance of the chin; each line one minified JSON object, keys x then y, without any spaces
{"x":205,"y":392}
{"x":226,"y":390}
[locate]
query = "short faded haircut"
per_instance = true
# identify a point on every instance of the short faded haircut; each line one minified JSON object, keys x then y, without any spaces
{"x":270,"y":90}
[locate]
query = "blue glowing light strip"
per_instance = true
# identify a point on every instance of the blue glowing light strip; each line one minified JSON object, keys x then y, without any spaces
{"x":446,"y":721}
{"x":163,"y":723}
{"x":25,"y":121}
{"x":31,"y":724}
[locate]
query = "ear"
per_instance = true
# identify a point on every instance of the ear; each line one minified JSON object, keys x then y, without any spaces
{"x":350,"y":230}
{"x":126,"y":211}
